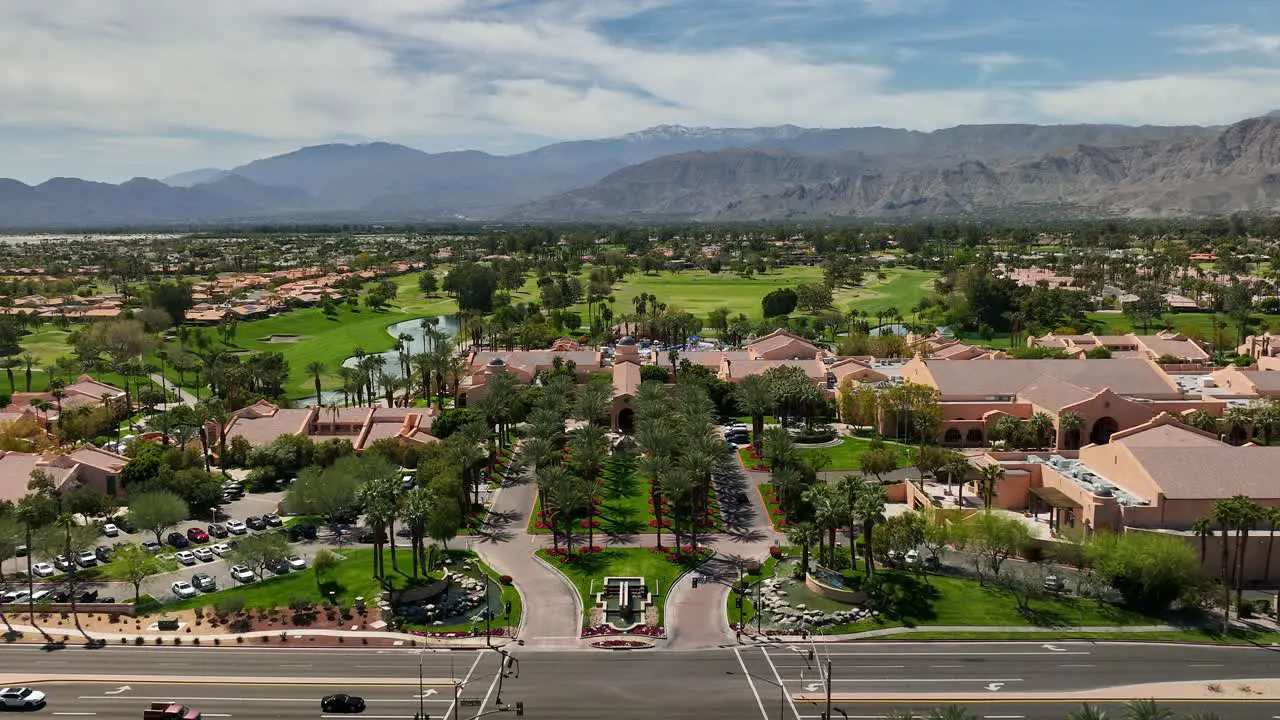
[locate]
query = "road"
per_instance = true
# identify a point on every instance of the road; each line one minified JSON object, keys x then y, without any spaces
{"x":992,"y":680}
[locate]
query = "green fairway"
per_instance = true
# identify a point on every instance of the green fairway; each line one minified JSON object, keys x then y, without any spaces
{"x":900,"y":289}
{"x":588,"y":571}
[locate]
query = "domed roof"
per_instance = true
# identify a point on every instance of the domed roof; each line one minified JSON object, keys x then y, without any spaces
{"x":497,"y":362}
{"x":627,"y":340}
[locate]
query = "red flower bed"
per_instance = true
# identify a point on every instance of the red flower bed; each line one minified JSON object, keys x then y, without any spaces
{"x":614,"y":644}
{"x":593,"y":523}
{"x":775,"y":552}
{"x":495,"y":632}
{"x":643,"y":630}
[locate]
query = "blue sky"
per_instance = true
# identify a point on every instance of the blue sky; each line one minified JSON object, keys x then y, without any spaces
{"x":111,"y":90}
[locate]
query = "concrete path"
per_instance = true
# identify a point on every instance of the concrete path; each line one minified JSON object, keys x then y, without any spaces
{"x":187,"y":398}
{"x":229,"y":638}
{"x":552,"y":616}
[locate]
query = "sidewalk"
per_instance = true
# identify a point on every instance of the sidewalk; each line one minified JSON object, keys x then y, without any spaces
{"x":1011,"y":629}
{"x":233,"y":638}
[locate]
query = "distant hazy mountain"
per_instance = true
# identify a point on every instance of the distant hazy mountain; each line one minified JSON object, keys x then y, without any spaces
{"x":195,"y":177}
{"x":706,"y":173}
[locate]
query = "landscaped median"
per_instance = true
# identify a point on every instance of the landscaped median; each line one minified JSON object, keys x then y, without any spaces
{"x":659,"y":567}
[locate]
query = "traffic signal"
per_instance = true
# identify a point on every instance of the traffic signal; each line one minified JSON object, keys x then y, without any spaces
{"x":737,"y":602}
{"x":519,"y":709}
{"x":695,"y":581}
{"x":508,"y":607}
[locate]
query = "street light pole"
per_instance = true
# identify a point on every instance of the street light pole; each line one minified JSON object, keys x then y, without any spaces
{"x":828,"y":714}
{"x":422,"y":713}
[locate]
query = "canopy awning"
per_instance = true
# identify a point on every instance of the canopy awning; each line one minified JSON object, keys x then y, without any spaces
{"x":1055,"y":498}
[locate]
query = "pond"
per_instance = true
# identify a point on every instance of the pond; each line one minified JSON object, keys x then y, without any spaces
{"x":447,"y":324}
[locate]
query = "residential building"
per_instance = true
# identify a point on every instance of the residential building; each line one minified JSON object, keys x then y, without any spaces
{"x":85,"y":467}
{"x":263,"y":423}
{"x":1151,"y":347}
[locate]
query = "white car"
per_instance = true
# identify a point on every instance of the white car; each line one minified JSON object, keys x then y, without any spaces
{"x":912,"y":558}
{"x":236,"y":527}
{"x":43,"y":569}
{"x":87,"y":559}
{"x":15,"y":596}
{"x":203,"y":554}
{"x":183,"y":589}
{"x":240,"y":573}
{"x":185,"y":557}
{"x":40,"y":595}
{"x":21,"y":698}
{"x":220,"y":549}
{"x":110,"y":530}
{"x":296,"y":563}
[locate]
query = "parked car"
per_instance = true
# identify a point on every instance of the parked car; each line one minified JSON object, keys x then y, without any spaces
{"x":20,"y":698}
{"x":122,"y":522}
{"x":185,"y":557}
{"x":103,"y":552}
{"x":197,"y":535}
{"x":302,"y":531}
{"x":273,"y":520}
{"x":912,"y":558}
{"x":63,"y":563}
{"x":342,"y":703}
{"x":42,"y":569}
{"x":279,"y":567}
{"x":240,"y":573}
{"x":218,"y":530}
{"x":152,"y":546}
{"x":254,"y":522}
{"x":59,"y":596}
{"x":236,"y":527}
{"x":110,"y":529}
{"x":41,"y":596}
{"x":296,"y":563}
{"x":220,"y":549}
{"x":203,"y":554}
{"x":178,"y":540}
{"x":87,"y":596}
{"x":15,"y":596}
{"x":87,"y":559}
{"x":203,"y":582}
{"x":183,"y":589}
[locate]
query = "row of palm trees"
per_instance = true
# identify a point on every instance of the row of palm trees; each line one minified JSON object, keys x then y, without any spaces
{"x":421,"y":509}
{"x":430,"y":373}
{"x":1238,"y":516}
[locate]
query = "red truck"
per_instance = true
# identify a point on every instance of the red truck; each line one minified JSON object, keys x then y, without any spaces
{"x":170,"y":711}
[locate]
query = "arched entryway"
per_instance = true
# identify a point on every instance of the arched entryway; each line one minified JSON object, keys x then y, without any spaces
{"x":1103,"y":429}
{"x":951,"y":436}
{"x":1071,"y":439}
{"x":626,"y":420}
{"x":973,"y":438}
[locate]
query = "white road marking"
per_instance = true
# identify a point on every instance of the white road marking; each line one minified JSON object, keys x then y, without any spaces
{"x":1003,"y":717}
{"x":937,"y":654}
{"x":297,"y":665}
{"x":256,"y":699}
{"x":782,"y":684}
{"x":205,"y":714}
{"x":943,"y":666}
{"x":1074,"y":666}
{"x":366,"y":717}
{"x":759,"y":703}
{"x":915,"y":680}
{"x":1204,"y":665}
{"x":75,"y":713}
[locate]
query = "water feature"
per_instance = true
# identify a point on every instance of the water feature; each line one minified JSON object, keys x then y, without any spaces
{"x":446,"y":324}
{"x":624,"y":601}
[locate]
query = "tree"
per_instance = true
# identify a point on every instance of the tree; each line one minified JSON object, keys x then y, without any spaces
{"x":755,"y":398}
{"x":995,"y":537}
{"x":812,"y":297}
{"x":136,"y":565}
{"x":378,"y":496}
{"x":259,"y":552}
{"x":779,"y":302}
{"x":157,"y":512}
{"x":1149,"y":570}
{"x":989,"y":477}
{"x":937,"y":535}
{"x":315,"y":369}
{"x":428,"y":283}
{"x":806,"y":535}
{"x":473,"y":285}
{"x":1146,"y":709}
{"x":322,"y":564}
{"x":869,"y":508}
{"x":331,"y":492}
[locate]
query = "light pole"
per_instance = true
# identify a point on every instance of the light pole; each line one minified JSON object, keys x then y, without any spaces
{"x":422,"y":712}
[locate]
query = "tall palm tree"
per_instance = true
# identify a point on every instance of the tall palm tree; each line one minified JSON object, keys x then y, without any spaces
{"x":1272,"y":517}
{"x":1041,"y":426}
{"x":755,"y":397}
{"x":315,"y":369}
{"x":680,"y":488}
{"x":416,"y":507}
{"x":989,"y":477}
{"x":1248,"y":514}
{"x":550,"y":478}
{"x":1088,"y":712}
{"x":829,"y":513}
{"x":28,"y":361}
{"x":569,"y":496}
{"x":1203,"y":529}
{"x":951,"y":712}
{"x":870,"y":505}
{"x":378,"y":496}
{"x":806,"y":535}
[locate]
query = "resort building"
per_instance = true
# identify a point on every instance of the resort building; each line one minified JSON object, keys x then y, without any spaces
{"x":1105,"y":395}
{"x":1151,"y":347}
{"x":84,"y":392}
{"x":85,"y":467}
{"x":263,"y":422}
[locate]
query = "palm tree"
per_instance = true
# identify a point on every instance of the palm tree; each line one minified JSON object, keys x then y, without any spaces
{"x":951,"y":712}
{"x":378,"y":496}
{"x":315,"y":369}
{"x":1272,"y":516}
{"x":1088,"y":712}
{"x":1071,"y":425}
{"x":1146,"y":709}
{"x":870,"y":508}
{"x":1248,"y":514}
{"x":989,"y":477}
{"x":568,"y":495}
{"x":1238,"y":421}
{"x":679,"y":487}
{"x":1203,"y":529}
{"x":1202,"y":420}
{"x":415,"y":510}
{"x":673,"y":357}
{"x":590,"y":445}
{"x":28,"y":360}
{"x":805,"y":534}
{"x":755,"y":397}
{"x":829,"y":514}
{"x":1041,"y":426}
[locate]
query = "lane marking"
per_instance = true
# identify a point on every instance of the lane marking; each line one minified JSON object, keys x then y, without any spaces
{"x":964,"y":654}
{"x":782,"y":684}
{"x":1075,"y":666}
{"x":205,"y":714}
{"x":1003,"y":717}
{"x":1205,"y":665}
{"x":296,"y":665}
{"x":945,"y":666}
{"x":369,"y":717}
{"x":915,"y":680}
{"x":750,"y":683}
{"x":255,"y":699}
{"x":75,"y":713}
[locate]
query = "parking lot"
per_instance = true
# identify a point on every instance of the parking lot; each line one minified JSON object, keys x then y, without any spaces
{"x":256,"y":504}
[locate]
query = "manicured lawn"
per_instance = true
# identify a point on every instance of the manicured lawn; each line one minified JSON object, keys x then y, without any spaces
{"x":901,"y":289}
{"x":587,"y":572}
{"x":848,"y":454}
{"x":776,"y":517}
{"x":624,"y":508}
{"x":1235,"y":637}
{"x":350,"y":578}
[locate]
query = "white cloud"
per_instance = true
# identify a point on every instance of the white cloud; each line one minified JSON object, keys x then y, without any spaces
{"x":155,"y":86}
{"x":1224,"y":39}
{"x":883,"y":8}
{"x":991,"y":63}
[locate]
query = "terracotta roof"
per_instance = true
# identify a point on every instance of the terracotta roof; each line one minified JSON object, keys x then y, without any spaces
{"x":1053,"y":394}
{"x":1008,"y":377}
{"x":626,"y":379}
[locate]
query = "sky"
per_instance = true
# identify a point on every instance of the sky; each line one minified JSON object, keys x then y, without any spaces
{"x":112,"y":89}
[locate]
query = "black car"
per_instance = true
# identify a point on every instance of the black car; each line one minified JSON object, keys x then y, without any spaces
{"x":218,"y":530}
{"x":63,"y":563}
{"x":302,"y":531}
{"x":342,"y":704}
{"x":87,"y":596}
{"x":253,"y":522}
{"x":272,"y":519}
{"x":104,"y":553}
{"x":279,"y":567}
{"x":123,"y":523}
{"x":59,"y":596}
{"x":178,"y":540}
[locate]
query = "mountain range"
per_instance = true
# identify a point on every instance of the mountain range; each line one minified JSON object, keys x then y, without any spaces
{"x":714,"y":174}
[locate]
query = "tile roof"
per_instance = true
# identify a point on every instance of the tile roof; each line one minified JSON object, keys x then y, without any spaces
{"x":1007,"y":377}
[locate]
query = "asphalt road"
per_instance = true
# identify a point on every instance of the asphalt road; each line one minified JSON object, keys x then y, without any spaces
{"x":738,"y":684}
